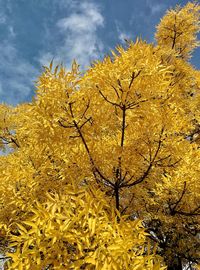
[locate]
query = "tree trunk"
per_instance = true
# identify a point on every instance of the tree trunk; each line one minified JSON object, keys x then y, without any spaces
{"x":117,"y":198}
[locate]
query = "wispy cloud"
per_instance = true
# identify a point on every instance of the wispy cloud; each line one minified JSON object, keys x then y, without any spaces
{"x":156,"y":7}
{"x":16,"y":75}
{"x":123,"y":35}
{"x":145,"y":16}
{"x":79,"y":32}
{"x":2,"y":18}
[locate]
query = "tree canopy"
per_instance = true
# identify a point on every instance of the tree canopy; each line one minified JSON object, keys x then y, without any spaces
{"x":101,"y":169}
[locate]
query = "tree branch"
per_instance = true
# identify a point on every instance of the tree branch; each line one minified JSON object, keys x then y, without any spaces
{"x":173,"y":209}
{"x":146,"y":173}
{"x":106,"y":99}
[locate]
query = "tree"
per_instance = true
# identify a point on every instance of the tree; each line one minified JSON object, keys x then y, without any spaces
{"x":95,"y":154}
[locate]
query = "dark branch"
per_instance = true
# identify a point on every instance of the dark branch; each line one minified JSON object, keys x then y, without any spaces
{"x":115,"y":91}
{"x":189,"y":214}
{"x":173,"y":209}
{"x":146,"y":173}
{"x":106,"y":99}
{"x":87,"y":107}
{"x":133,"y":77}
{"x":135,"y":104}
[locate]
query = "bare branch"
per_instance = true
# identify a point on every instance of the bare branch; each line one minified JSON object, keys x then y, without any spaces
{"x":135,"y":104}
{"x":146,"y":173}
{"x":173,"y":209}
{"x":87,"y":107}
{"x":15,"y":142}
{"x":189,"y":214}
{"x":120,"y":85}
{"x":133,"y":77}
{"x":87,"y":120}
{"x":65,"y":126}
{"x":161,"y":159}
{"x":70,"y":109}
{"x":106,"y":99}
{"x":140,"y":179}
{"x":130,"y":201}
{"x":143,"y":157}
{"x":115,"y":91}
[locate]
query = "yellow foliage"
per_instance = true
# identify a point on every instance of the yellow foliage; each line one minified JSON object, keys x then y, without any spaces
{"x":178,"y":30}
{"x":122,"y":138}
{"x":74,"y":229}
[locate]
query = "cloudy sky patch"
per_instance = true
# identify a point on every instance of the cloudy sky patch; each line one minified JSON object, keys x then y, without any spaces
{"x":79,"y":32}
{"x":17,"y":75}
{"x":33,"y":32}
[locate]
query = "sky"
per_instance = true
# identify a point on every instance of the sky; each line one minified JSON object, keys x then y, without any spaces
{"x":33,"y":32}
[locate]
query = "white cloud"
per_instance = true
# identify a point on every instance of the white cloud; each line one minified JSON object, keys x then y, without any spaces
{"x":122,"y":34}
{"x":11,"y":31}
{"x":2,"y":18}
{"x":80,"y":36}
{"x":155,"y":7}
{"x":16,"y":75}
{"x":46,"y":58}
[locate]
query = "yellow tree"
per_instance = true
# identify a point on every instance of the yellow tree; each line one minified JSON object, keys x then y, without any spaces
{"x":50,"y":218}
{"x":121,"y":134}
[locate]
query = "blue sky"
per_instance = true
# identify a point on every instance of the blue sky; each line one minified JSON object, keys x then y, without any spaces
{"x":32,"y":32}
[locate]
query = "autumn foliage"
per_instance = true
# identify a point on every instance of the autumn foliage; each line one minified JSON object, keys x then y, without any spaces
{"x":101,"y":170}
